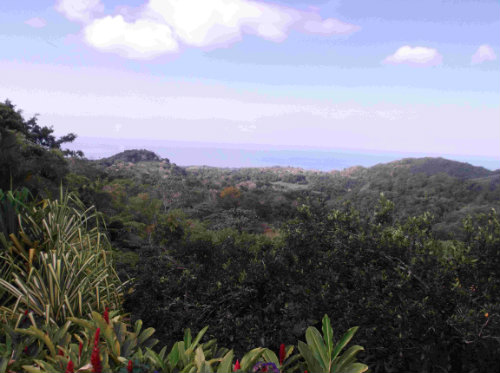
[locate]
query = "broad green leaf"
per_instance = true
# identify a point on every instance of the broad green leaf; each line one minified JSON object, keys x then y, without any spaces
{"x":198,"y":337}
{"x":270,"y":357}
{"x":312,"y":364}
{"x":354,"y":368}
{"x":318,"y":348}
{"x":161,"y":354}
{"x":173,"y":356}
{"x":182,"y":353}
{"x":346,"y":338}
{"x":250,"y":358}
{"x":226,"y":365}
{"x":199,"y":358}
{"x":187,"y":337}
{"x":347,"y":357}
{"x":156,"y":359}
{"x":145,"y":335}
{"x":328,"y":335}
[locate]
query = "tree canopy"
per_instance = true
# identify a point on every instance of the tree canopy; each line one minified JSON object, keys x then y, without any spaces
{"x":29,"y":153}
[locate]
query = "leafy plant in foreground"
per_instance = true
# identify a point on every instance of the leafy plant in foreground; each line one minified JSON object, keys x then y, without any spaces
{"x":59,"y":264}
{"x":189,"y":355}
{"x":322,"y":355}
{"x":285,"y":362}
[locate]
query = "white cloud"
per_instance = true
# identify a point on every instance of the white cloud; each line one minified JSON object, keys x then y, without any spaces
{"x":415,"y":56}
{"x":315,"y":25}
{"x":140,"y":39}
{"x":198,"y":23}
{"x":483,"y":53}
{"x":36,"y":22}
{"x":79,"y":10}
{"x":208,"y":23}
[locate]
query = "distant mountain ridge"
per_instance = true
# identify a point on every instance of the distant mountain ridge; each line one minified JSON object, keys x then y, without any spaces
{"x":427,"y":165}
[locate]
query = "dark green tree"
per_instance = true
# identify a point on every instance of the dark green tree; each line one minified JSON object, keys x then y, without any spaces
{"x":30,"y":155}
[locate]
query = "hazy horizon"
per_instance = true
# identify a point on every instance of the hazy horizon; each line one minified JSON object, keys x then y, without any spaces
{"x":410,"y":77}
{"x":255,"y":155}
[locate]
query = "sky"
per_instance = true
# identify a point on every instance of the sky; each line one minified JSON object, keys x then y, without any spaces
{"x":387,"y":75}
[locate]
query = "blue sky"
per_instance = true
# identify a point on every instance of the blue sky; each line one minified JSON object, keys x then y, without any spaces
{"x":389,"y":75}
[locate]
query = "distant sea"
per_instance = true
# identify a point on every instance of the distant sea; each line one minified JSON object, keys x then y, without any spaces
{"x":251,"y":155}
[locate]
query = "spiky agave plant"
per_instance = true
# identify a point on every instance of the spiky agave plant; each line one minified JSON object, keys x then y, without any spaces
{"x":59,"y":263}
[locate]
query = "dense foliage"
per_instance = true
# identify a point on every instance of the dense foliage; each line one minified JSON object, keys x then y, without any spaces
{"x":30,"y":155}
{"x":422,"y":304}
{"x":57,"y":262}
{"x":57,"y":273}
{"x":408,"y":251}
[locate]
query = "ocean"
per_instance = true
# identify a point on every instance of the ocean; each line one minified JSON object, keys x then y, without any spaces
{"x":252,"y":155}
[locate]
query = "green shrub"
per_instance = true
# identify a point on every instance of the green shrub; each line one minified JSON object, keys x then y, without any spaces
{"x":59,"y":265}
{"x":104,"y":343}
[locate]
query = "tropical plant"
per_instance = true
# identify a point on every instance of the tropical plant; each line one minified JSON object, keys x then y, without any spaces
{"x":114,"y":346}
{"x":189,"y":355}
{"x":322,"y":355}
{"x":14,"y":347}
{"x":121,"y":344}
{"x":26,"y":339}
{"x":285,"y":361}
{"x":59,"y":264}
{"x":249,"y":360}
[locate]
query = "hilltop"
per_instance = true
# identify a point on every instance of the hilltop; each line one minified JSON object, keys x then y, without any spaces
{"x":434,"y":166}
{"x":132,"y":156}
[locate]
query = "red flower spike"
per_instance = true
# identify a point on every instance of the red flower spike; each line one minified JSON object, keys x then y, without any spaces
{"x":96,"y":337}
{"x":25,"y":350}
{"x":60,"y":352}
{"x":26,"y":312}
{"x":70,"y":368}
{"x":95,"y":360}
{"x":130,"y":366}
{"x":237,"y":366}
{"x":80,"y":348}
{"x":282,"y":353}
{"x":106,"y":315}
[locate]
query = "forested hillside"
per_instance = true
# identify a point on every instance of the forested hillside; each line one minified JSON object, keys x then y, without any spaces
{"x":408,"y":251}
{"x":256,"y":199}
